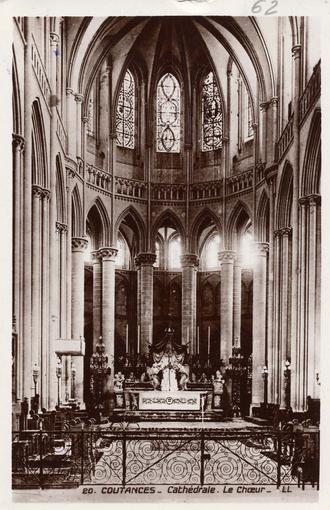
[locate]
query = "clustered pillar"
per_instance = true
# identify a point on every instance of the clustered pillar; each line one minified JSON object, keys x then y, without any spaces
{"x":79,"y":246}
{"x":144,"y":263}
{"x":259,"y":320}
{"x":227,"y":258}
{"x":189,"y":300}
{"x":108,"y":306}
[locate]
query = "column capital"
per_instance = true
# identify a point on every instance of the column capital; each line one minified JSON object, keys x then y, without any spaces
{"x":108,"y":253}
{"x":18,"y":142}
{"x":69,"y":91}
{"x":37,"y":191}
{"x":145,"y":259}
{"x":314,"y":199}
{"x":227,"y":256}
{"x":261,"y":248}
{"x":79,"y":244}
{"x":54,"y":38}
{"x":283,"y":232}
{"x":61,"y":227}
{"x":274,"y":101}
{"x":96,"y":256}
{"x":46,"y":194}
{"x":264,"y":106}
{"x":189,"y":260}
{"x":303,"y":201}
{"x":296,"y":50}
{"x":85,"y":119}
{"x":79,"y":97}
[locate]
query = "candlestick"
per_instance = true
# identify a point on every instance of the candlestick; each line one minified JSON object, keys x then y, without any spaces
{"x":127,"y":347}
{"x":138,"y":340}
{"x":208,"y":340}
{"x":197,"y":346}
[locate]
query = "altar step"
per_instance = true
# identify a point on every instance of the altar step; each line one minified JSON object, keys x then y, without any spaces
{"x":129,"y":415}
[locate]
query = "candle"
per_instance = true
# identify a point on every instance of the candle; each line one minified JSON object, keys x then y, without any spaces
{"x":208,"y":340}
{"x":138,"y":340}
{"x":197,"y":340}
{"x":187,"y":334}
{"x":127,"y":347}
{"x":150,"y":334}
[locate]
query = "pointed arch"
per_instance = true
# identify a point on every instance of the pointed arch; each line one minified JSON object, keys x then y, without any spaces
{"x":60,"y":191}
{"x":77,"y":216}
{"x":237,"y":223}
{"x":205,"y":218}
{"x":133,"y":218}
{"x":98,"y":224}
{"x":170,"y":218}
{"x":263,"y":217}
{"x":284,"y":198}
{"x":311,"y":173}
{"x":16,"y":103}
{"x":39,"y":153}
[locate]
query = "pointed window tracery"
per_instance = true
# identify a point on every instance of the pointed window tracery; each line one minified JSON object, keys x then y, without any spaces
{"x":168,"y":114}
{"x":211,"y":114}
{"x":125,"y":114}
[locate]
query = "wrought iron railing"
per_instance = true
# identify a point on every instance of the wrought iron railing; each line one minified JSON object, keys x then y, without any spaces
{"x":125,"y":455}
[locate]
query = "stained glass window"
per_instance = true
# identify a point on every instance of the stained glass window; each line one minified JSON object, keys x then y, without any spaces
{"x":211,"y":115}
{"x":125,"y":115}
{"x":168,"y":114}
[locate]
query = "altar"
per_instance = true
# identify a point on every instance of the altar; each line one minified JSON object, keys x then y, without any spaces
{"x":172,"y":400}
{"x":165,"y":389}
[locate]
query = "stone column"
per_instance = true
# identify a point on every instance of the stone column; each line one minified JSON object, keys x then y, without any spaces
{"x":274,"y":135}
{"x":298,"y":390}
{"x":53,"y":256}
{"x":71,"y":122}
{"x":108,"y":306}
{"x":79,"y":99}
{"x":189,"y":263}
{"x":227,"y":258}
{"x":271,"y":181}
{"x":18,"y":146}
{"x":145,"y":262}
{"x":97,"y":297}
{"x":312,"y":349}
{"x":77,"y":306}
{"x":237,"y":303}
{"x":26,"y":338}
{"x":275,"y":373}
{"x":296,"y":149}
{"x":259,"y":321}
{"x":263,"y":131}
{"x":36,"y":273}
{"x":44,"y":372}
{"x":284,"y":319}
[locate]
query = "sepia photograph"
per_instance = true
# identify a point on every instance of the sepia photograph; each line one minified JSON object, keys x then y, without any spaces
{"x":166,"y":257}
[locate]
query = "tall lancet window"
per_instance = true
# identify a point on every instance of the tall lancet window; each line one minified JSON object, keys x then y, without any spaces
{"x":211,"y":114}
{"x":125,"y":114}
{"x":168,"y":114}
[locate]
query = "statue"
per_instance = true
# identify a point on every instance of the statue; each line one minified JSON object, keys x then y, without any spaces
{"x":168,"y":372}
{"x":118,"y":382}
{"x":218,"y":383}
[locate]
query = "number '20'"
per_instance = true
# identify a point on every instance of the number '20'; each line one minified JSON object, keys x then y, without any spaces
{"x":257,"y":8}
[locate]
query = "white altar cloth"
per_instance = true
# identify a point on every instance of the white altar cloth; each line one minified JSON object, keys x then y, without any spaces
{"x":170,"y":400}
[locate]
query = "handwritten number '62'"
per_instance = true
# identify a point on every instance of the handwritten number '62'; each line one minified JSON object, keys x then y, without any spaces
{"x":257,"y":8}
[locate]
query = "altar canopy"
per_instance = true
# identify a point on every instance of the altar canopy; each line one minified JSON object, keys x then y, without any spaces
{"x":169,"y":371}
